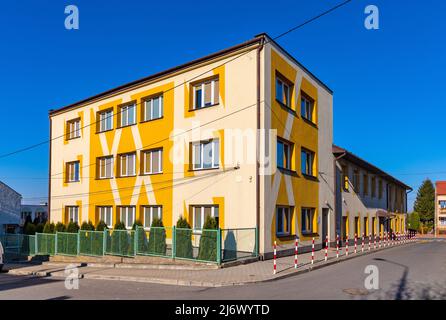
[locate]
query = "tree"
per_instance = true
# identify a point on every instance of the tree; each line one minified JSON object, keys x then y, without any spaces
{"x":414,"y":221}
{"x":60,"y":227}
{"x":183,"y":239}
{"x":157,"y":238}
{"x":72,"y":227}
{"x":88,"y":226}
{"x":101,"y":226}
{"x":425,"y":202}
{"x":208,"y":240}
{"x":48,"y":228}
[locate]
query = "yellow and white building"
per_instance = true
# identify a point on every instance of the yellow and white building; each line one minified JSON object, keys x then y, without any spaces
{"x":244,"y":135}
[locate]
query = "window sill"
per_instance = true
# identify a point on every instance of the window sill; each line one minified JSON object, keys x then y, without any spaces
{"x":308,"y":121}
{"x":309,"y":177}
{"x":73,"y":181}
{"x":288,"y":171}
{"x":97,"y":132}
{"x":129,"y":176}
{"x":151,"y":174}
{"x":151,"y":120}
{"x":287,"y":108}
{"x":69,"y":139}
{"x":309,"y":233}
{"x":108,"y":178}
{"x":205,"y":107}
{"x":285,"y":236}
{"x":205,"y":169}
{"x":128,"y":125}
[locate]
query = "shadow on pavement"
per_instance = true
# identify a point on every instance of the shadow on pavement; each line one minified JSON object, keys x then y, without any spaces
{"x":9,"y":282}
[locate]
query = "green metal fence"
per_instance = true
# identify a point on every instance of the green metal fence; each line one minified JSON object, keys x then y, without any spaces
{"x":156,"y":241}
{"x":238,"y":244}
{"x":198,"y":245}
{"x":120,"y":243}
{"x":91,"y":243}
{"x":45,"y":244}
{"x":67,"y":243}
{"x":28,"y":246}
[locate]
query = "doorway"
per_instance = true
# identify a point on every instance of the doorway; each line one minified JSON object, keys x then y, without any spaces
{"x":324,"y":225}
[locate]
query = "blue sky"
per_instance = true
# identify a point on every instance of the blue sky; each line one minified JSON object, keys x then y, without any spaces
{"x":389,"y":101}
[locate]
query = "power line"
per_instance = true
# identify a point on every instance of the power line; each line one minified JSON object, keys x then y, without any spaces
{"x":193,"y":78}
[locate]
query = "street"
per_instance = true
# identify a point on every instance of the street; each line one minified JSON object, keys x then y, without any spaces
{"x":415,"y":271}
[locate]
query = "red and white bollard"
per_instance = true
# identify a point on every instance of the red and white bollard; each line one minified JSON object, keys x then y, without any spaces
{"x":295,"y":253}
{"x":385,"y":239}
{"x":374,"y":241}
{"x":275,"y":257}
{"x":392,"y":238}
{"x":379,"y":240}
{"x":326,"y":248}
{"x":356,"y":242}
{"x":312,"y":252}
{"x":370,"y":241}
{"x":362,"y":243}
{"x":346,"y":246}
{"x":337,"y":246}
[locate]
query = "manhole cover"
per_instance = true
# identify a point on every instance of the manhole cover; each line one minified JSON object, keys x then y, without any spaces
{"x":356,"y":291}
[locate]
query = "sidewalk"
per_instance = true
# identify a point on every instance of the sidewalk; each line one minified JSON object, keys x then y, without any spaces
{"x":260,"y":271}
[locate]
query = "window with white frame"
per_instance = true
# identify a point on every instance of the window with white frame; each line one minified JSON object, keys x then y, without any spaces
{"x":283,"y":220}
{"x":284,"y":152}
{"x":307,"y":220}
{"x":127,"y":164}
{"x":72,"y":171}
{"x":153,"y":108}
{"x":127,"y":216}
{"x":283,"y":91}
{"x":306,"y":107}
{"x":128,"y":115}
{"x":201,"y":212}
{"x":442,"y":204}
{"x":206,"y":94}
{"x":307,"y":161}
{"x":73,"y":214}
{"x":74,"y":129}
{"x":105,"y":120}
{"x":105,"y":167}
{"x":205,"y":154}
{"x":150,"y":213}
{"x":106,"y":215}
{"x":152,"y":161}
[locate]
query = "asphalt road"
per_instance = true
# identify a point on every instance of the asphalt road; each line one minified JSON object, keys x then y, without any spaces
{"x":414,"y":271}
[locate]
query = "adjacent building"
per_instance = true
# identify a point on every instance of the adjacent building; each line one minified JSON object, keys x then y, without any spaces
{"x":440,"y":207}
{"x":368,"y":200}
{"x":9,"y":209}
{"x":243,"y":135}
{"x":35,"y":213}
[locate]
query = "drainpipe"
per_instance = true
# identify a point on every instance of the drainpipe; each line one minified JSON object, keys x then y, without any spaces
{"x":258,"y":71}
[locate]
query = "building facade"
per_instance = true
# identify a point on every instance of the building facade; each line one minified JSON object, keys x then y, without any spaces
{"x":34,"y":213}
{"x":440,"y":207}
{"x":368,"y":200}
{"x":243,"y":135}
{"x":9,"y":209}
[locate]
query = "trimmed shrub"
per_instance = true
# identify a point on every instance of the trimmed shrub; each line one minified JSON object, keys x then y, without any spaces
{"x":39,"y":228}
{"x":137,"y":223}
{"x":208,"y":240}
{"x":72,"y":227}
{"x":87,"y":226}
{"x":157,"y":238}
{"x":60,"y":227}
{"x":101,"y":226}
{"x":119,"y":226}
{"x":49,"y":228}
{"x":121,"y":240}
{"x":30,"y":229}
{"x":183,"y":239}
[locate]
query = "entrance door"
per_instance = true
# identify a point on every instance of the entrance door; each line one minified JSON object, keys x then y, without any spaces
{"x":324,"y":225}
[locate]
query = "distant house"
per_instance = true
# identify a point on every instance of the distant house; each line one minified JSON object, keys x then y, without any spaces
{"x":37,"y":213}
{"x":440,"y":207}
{"x":10,"y":206}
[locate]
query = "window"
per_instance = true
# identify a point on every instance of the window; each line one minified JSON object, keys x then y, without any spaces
{"x":307,"y":220}
{"x":153,"y":108}
{"x":306,"y":107}
{"x":200,"y":213}
{"x":442,"y":221}
{"x":128,"y":115}
{"x":127,"y":215}
{"x":206,"y":94}
{"x":205,"y":154}
{"x":283,"y":91}
{"x":345,"y":181}
{"x":380,"y":189}
{"x":105,"y":120}
{"x":283,"y":221}
{"x":127,"y":164}
{"x":105,"y":167}
{"x":150,"y":213}
{"x":284,"y":152}
{"x":73,"y":214}
{"x":356,"y":180}
{"x":152,"y":161}
{"x":365,"y":181}
{"x":442,"y":204}
{"x":373,"y":187}
{"x":74,"y":129}
{"x":72,"y":171}
{"x":307,"y":161}
{"x":106,"y":215}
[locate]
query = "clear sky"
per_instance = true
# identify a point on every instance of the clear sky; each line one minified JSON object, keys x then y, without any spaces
{"x":389,"y":97}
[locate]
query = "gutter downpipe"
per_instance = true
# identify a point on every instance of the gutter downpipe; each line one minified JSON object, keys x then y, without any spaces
{"x":258,"y":71}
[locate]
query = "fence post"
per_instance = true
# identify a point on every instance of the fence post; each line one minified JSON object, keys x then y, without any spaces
{"x":78,"y":243}
{"x":257,"y":241}
{"x":55,"y":244}
{"x":219,"y":246}
{"x":135,"y":241}
{"x":104,"y":241}
{"x":36,"y":249}
{"x":174,"y":242}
